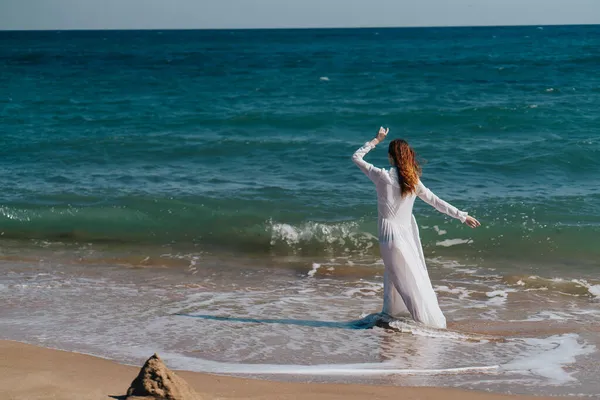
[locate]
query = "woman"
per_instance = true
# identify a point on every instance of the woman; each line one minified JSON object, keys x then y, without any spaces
{"x":406,"y":284}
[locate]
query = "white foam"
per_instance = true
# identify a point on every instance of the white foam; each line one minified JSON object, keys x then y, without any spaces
{"x":286,"y":232}
{"x":554,"y":353}
{"x":453,"y":242}
{"x":324,"y":78}
{"x":460,"y":291}
{"x":414,"y":328}
{"x":469,"y":271}
{"x":549,"y":315}
{"x":594,"y":290}
{"x":454,"y":265}
{"x":14,"y":214}
{"x":495,"y":293}
{"x":498,"y":297}
{"x":439,"y":231}
{"x":445,"y":263}
{"x":361,"y":369}
{"x":366,"y":289}
{"x":344,"y":234}
{"x":358,"y":291}
{"x":540,"y":289}
{"x":314,"y":269}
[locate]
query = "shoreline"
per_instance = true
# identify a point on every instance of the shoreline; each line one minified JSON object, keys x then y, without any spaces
{"x":29,"y":372}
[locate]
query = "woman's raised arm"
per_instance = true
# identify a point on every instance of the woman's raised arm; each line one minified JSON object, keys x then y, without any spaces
{"x":369,"y":169}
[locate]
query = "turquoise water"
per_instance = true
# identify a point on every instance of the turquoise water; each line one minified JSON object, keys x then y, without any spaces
{"x":237,"y":138}
{"x":191,"y":193}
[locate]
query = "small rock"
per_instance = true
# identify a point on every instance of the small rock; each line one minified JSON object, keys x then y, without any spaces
{"x":155,"y":381}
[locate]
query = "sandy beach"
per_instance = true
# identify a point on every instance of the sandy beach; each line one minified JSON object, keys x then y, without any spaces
{"x":29,"y":372}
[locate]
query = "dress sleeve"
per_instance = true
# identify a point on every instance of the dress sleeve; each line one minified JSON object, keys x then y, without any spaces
{"x":369,"y":169}
{"x":430,"y":198}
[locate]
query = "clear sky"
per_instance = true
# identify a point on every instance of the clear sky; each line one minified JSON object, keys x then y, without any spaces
{"x":210,"y":14}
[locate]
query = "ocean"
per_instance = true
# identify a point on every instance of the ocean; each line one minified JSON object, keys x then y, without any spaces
{"x":192,"y":193}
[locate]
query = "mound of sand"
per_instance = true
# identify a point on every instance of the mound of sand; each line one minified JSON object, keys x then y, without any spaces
{"x":155,"y":381}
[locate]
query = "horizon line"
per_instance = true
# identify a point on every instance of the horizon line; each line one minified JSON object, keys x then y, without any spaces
{"x":299,"y":28}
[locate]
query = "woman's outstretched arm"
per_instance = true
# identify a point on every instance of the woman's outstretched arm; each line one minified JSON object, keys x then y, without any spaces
{"x":369,"y":169}
{"x":430,"y":198}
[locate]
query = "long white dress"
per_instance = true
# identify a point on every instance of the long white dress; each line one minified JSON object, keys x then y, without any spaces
{"x":406,"y":284}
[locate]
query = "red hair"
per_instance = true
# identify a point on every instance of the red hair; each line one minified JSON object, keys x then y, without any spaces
{"x":408,"y":167}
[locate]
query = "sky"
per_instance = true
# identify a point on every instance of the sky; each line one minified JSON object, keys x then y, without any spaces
{"x":231,"y":14}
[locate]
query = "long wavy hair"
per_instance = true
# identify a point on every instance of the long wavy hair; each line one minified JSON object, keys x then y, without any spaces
{"x":405,"y":161}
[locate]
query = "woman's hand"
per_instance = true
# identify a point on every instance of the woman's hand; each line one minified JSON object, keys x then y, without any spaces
{"x":472,"y":222}
{"x":381,"y":134}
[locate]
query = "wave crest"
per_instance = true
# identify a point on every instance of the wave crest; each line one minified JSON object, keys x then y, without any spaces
{"x":345,"y":236}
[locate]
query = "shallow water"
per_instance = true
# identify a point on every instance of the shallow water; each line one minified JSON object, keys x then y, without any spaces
{"x":285,"y":322}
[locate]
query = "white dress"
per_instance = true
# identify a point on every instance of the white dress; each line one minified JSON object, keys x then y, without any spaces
{"x":406,"y":284}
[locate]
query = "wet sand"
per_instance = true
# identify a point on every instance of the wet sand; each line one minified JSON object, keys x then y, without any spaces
{"x":29,"y":373}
